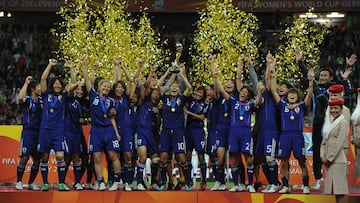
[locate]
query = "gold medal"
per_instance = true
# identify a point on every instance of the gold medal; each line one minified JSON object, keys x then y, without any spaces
{"x":51,"y":110}
{"x":225,"y":114}
{"x":105,"y":115}
{"x":173,"y":110}
{"x":241,"y":118}
{"x":292,"y":117}
{"x":81,"y":120}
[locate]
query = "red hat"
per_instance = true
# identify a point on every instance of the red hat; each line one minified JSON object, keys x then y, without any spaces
{"x":358,"y":89}
{"x":336,"y":88}
{"x":335,"y":102}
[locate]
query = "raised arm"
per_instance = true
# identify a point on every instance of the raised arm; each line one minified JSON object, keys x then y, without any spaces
{"x":260,"y":89}
{"x":270,"y":68}
{"x":310,"y":76}
{"x":218,"y":85}
{"x":187,"y":84}
{"x":214,"y":72}
{"x":85,"y":74}
{"x":93,"y":73}
{"x":240,"y":67}
{"x":73,"y":71}
{"x":45,"y":74}
{"x":273,"y":84}
{"x":350,"y":62}
{"x":72,"y":87}
{"x":127,"y":76}
{"x":117,"y":69}
{"x":302,"y":67}
{"x":162,"y":79}
{"x":22,"y":93}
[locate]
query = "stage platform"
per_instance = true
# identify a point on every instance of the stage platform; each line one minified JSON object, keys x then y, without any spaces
{"x":11,"y":195}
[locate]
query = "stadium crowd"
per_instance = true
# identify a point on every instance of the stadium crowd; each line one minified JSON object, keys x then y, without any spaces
{"x":25,"y":50}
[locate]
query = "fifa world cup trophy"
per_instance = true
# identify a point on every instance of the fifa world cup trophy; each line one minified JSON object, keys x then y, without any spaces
{"x":175,"y":65}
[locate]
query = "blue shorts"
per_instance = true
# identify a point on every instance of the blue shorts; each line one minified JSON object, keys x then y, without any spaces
{"x":127,"y":138}
{"x":267,"y":143}
{"x":172,"y":140}
{"x":211,"y":144}
{"x":52,"y":139}
{"x":240,"y":140}
{"x":195,"y":139}
{"x":292,"y":141}
{"x":103,"y":139}
{"x":145,"y":138}
{"x":75,"y":142}
{"x":222,"y":136}
{"x":28,"y":142}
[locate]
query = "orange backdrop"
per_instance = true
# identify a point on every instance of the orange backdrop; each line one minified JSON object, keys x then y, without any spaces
{"x":9,"y":152}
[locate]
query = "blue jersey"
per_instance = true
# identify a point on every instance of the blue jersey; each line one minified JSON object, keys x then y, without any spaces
{"x":31,"y":111}
{"x":146,"y":116}
{"x":241,"y":113}
{"x":212,"y":115}
{"x":173,"y":112}
{"x":53,"y":116}
{"x":123,"y":112}
{"x":268,"y":113}
{"x":196,"y":107}
{"x":74,"y":115}
{"x":134,"y":117}
{"x":224,"y":112}
{"x":292,"y":119}
{"x":100,"y":108}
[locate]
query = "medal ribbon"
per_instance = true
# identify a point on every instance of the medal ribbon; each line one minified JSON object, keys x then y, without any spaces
{"x":226,"y":107}
{"x":33,"y":105}
{"x":54,"y":101}
{"x":103,"y":105}
{"x":241,"y":108}
{"x":79,"y":109}
{"x":173,"y":102}
{"x":292,"y":113}
{"x":117,"y":103}
{"x":198,"y":107}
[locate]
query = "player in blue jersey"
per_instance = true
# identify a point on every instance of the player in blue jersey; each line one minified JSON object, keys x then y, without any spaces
{"x":240,"y":136}
{"x":194,"y":132}
{"x":171,"y":162}
{"x":77,"y":108}
{"x":292,"y":124}
{"x":148,"y":125}
{"x":211,"y":123}
{"x":90,"y":170}
{"x":268,"y":131}
{"x":222,"y":128}
{"x":29,"y":97}
{"x":134,"y":108}
{"x":121,"y":95}
{"x":52,"y":125}
{"x":172,"y":137}
{"x":104,"y":135}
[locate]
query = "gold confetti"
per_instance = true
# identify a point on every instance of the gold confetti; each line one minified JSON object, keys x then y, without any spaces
{"x":104,"y":31}
{"x":304,"y":36}
{"x":224,"y":32}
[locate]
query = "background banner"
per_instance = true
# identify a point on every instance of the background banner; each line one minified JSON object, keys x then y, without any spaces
{"x":195,"y":5}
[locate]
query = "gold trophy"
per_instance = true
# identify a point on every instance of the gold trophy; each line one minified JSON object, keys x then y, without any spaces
{"x":175,"y":65}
